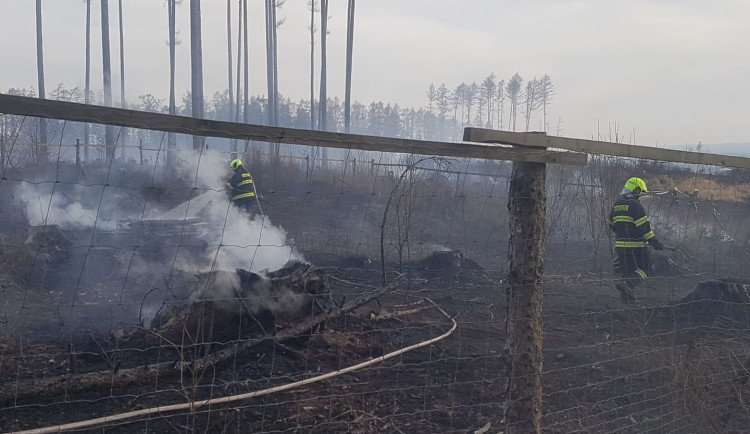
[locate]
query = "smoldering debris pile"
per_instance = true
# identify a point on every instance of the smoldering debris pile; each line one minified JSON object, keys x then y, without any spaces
{"x":723,"y":301}
{"x":227,"y":305}
{"x":726,"y":289}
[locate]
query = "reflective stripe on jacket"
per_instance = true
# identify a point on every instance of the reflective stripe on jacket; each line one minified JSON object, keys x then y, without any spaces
{"x":630,"y":224}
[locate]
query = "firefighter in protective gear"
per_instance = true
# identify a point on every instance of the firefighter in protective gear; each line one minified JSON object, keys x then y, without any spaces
{"x":241,"y":187}
{"x":633,"y":235}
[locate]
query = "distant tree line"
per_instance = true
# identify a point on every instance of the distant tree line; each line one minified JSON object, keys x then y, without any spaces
{"x":494,"y":104}
{"x":488,"y":102}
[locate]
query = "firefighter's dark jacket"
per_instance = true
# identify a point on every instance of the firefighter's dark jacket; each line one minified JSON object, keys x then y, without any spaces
{"x":241,"y":184}
{"x":630,"y":224}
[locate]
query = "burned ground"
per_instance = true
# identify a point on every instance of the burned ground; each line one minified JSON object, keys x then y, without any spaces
{"x":665,"y":364}
{"x":639,"y":369}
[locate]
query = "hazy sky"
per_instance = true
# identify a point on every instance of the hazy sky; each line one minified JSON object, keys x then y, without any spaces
{"x":668,"y":71}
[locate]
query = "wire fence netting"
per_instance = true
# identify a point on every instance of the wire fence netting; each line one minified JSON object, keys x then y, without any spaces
{"x":358,"y":292}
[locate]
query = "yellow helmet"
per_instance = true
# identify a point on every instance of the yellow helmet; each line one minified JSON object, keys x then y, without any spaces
{"x":235,"y":164}
{"x":634,"y":186}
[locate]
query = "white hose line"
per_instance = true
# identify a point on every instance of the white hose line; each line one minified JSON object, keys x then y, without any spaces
{"x":213,"y":401}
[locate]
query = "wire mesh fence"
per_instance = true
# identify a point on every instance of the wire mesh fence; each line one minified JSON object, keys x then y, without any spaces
{"x":361,"y":292}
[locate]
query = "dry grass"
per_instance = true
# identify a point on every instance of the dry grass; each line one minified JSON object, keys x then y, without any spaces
{"x":709,"y":187}
{"x":710,"y":381}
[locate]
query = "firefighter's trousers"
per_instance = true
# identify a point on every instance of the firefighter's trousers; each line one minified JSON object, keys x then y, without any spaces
{"x":632,"y":264}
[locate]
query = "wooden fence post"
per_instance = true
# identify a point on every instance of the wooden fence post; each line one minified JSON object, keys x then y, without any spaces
{"x":307,"y":164}
{"x":86,"y":143}
{"x":78,"y":153}
{"x":2,"y":153}
{"x":140,"y":150}
{"x":527,"y":210}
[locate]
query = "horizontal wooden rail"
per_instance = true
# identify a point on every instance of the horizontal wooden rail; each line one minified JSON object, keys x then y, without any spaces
{"x":541,"y":140}
{"x":351,"y":161}
{"x":18,"y":105}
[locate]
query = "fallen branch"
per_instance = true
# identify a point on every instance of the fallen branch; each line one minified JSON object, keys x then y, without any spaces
{"x":397,"y":313}
{"x":113,"y":379}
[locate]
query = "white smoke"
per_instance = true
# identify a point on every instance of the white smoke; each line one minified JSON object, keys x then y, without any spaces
{"x":225,"y":290}
{"x":48,"y":206}
{"x":235,"y":238}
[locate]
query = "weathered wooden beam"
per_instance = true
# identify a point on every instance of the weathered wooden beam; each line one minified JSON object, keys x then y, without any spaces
{"x":18,"y":105}
{"x":541,"y":140}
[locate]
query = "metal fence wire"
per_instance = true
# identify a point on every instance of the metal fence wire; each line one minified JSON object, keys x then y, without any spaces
{"x":359,"y":292}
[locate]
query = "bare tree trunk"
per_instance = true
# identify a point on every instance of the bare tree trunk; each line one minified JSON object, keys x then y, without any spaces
{"x":275,"y":64}
{"x":246,"y":89}
{"x":229,"y":61}
{"x":42,"y":151}
{"x":323,"y":95}
{"x":87,"y":86}
{"x":246,"y":62}
{"x":323,"y":91}
{"x":239,"y":71}
{"x":171,"y":138}
{"x":229,"y":70}
{"x":239,"y":58}
{"x":527,"y":208}
{"x":312,"y":64}
{"x":269,"y":62}
{"x":109,"y":131}
{"x":270,"y":24}
{"x":274,"y":39}
{"x":123,"y":103}
{"x":196,"y":66}
{"x":349,"y":49}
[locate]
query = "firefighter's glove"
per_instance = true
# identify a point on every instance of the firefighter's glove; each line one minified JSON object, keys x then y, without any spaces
{"x":656,"y":244}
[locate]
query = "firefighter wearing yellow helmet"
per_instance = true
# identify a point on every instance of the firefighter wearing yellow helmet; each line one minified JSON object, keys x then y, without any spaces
{"x":633,"y":235}
{"x":241,"y":187}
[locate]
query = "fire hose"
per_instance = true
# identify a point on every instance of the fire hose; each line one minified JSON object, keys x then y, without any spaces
{"x":192,"y":406}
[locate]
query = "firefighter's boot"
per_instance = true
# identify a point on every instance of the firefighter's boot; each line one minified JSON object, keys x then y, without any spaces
{"x":626,"y":294}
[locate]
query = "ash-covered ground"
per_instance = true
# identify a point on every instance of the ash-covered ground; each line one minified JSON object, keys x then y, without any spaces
{"x":96,"y":267}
